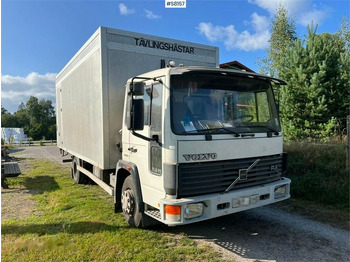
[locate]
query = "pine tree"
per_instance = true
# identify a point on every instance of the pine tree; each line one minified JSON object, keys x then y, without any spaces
{"x":283,"y":35}
{"x":317,"y":95}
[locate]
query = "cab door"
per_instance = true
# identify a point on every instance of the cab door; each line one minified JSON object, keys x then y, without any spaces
{"x":145,"y":153}
{"x":138,"y":144}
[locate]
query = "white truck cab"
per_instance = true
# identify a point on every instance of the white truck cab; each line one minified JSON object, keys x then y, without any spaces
{"x":199,"y":143}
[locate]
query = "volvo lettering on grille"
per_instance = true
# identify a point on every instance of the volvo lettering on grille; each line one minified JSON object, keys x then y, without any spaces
{"x":196,"y":157}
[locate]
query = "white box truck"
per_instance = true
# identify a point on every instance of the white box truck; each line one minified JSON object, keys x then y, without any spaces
{"x":172,"y":144}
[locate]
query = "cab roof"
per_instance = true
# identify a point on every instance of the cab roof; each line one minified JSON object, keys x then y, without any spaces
{"x":207,"y":70}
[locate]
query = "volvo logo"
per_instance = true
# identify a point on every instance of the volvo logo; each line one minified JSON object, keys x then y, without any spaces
{"x":242,"y":174}
{"x":196,"y":157}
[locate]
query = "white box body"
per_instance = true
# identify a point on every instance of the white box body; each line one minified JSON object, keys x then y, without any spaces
{"x":90,"y":89}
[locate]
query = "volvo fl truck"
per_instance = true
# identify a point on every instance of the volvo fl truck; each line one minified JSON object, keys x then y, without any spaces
{"x":172,"y":137}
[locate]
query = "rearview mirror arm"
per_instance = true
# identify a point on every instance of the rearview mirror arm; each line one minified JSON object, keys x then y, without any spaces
{"x":153,"y":139}
{"x":144,"y":78}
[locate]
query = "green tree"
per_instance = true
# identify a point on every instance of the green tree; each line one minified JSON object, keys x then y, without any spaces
{"x":344,"y":32}
{"x":315,"y":102}
{"x":283,"y":35}
{"x":8,"y":119}
{"x":4,"y":110}
{"x":317,"y":96}
{"x":41,"y":116}
{"x":22,"y":118}
{"x":36,"y":117}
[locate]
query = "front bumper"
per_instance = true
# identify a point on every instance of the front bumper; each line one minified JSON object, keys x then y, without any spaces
{"x":216,"y":205}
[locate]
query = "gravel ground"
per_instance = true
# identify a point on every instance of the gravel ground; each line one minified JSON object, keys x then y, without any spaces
{"x":16,"y":202}
{"x":270,"y":234}
{"x":45,"y":152}
{"x":263,"y":234}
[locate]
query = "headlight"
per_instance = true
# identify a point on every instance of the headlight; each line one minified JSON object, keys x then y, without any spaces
{"x":193,"y":210}
{"x":280,"y":191}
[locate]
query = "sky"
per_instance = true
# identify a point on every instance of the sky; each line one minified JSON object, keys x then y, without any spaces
{"x":38,"y":38}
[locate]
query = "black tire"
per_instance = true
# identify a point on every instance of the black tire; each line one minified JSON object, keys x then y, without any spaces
{"x":78,"y":176}
{"x":130,"y":207}
{"x":3,"y":183}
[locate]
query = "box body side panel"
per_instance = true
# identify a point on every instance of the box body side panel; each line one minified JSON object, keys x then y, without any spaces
{"x":91,"y":87}
{"x":79,"y":103}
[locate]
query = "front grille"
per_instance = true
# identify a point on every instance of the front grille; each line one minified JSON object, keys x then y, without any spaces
{"x":214,"y":177}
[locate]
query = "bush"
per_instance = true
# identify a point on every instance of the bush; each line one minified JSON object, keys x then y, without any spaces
{"x":42,"y":141}
{"x":318,"y":173}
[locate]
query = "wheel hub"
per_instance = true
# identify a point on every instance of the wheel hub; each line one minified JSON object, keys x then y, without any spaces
{"x":128,"y":203}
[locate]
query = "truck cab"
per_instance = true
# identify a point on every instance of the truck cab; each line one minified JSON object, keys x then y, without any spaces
{"x":198,"y":143}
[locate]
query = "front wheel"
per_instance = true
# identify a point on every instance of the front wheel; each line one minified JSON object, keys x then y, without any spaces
{"x":130,"y":207}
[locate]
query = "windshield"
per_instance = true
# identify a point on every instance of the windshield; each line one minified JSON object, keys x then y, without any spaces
{"x":220,"y":103}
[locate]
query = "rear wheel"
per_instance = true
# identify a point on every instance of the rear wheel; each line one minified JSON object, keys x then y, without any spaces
{"x":78,"y":176}
{"x":130,"y":207}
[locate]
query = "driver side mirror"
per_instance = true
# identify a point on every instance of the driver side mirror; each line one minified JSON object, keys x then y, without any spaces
{"x":135,"y":114}
{"x":137,"y":88}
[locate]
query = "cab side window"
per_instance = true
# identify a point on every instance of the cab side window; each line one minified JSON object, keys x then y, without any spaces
{"x":156,"y":114}
{"x":147,"y":105}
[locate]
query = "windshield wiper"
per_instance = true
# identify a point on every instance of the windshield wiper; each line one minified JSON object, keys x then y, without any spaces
{"x":273,"y":130}
{"x":215,"y":129}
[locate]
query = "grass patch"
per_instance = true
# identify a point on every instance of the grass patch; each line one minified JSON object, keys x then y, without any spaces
{"x":77,"y":223}
{"x":318,"y":173}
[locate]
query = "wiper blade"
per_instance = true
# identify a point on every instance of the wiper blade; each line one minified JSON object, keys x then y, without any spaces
{"x":231,"y":131}
{"x":215,"y":129}
{"x":272,"y":129}
{"x":275,"y":131}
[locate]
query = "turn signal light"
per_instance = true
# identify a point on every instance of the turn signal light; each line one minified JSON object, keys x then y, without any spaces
{"x":172,"y":210}
{"x":172,"y":213}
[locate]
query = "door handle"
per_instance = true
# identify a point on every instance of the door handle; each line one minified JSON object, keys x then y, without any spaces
{"x":132,"y":149}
